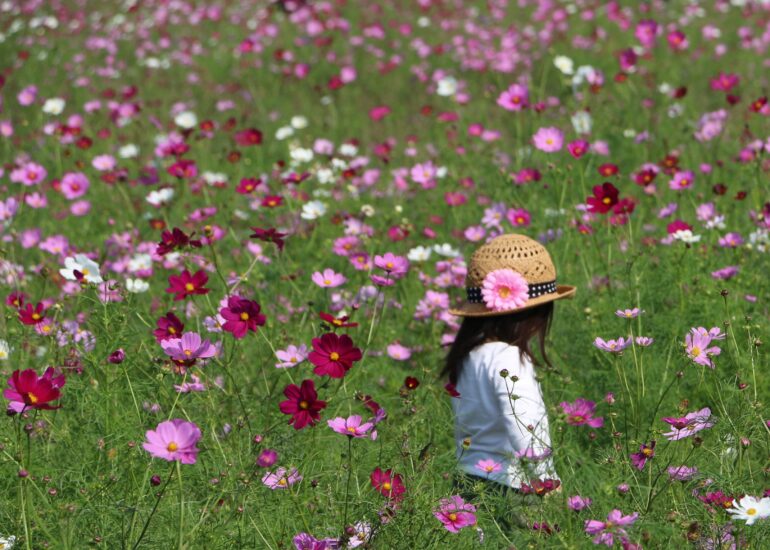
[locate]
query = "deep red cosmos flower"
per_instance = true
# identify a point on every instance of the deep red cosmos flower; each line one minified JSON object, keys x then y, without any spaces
{"x":644,"y":177}
{"x":247,"y":185}
{"x":451,"y":390}
{"x":16,"y":299}
{"x":185,"y":284}
{"x":269,"y":235}
{"x":678,"y":225}
{"x":411,"y":383}
{"x":302,"y":404}
{"x":241,"y":316}
{"x":607,"y":170}
{"x":250,"y":136}
{"x":605,"y":197}
{"x":271,"y":201}
{"x":758,"y":104}
{"x":169,"y":327}
{"x":29,"y":391}
{"x":336,"y":322}
{"x":540,"y":487}
{"x":388,"y":484}
{"x":176,"y":238}
{"x":183,"y":168}
{"x":333,"y":355}
{"x":30,"y":315}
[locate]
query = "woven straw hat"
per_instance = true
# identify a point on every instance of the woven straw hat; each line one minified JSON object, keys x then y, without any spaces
{"x":522,"y":255}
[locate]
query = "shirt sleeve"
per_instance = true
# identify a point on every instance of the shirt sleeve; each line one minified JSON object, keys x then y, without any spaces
{"x":523,"y":411}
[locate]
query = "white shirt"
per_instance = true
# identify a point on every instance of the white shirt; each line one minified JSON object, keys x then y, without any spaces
{"x":501,"y":417}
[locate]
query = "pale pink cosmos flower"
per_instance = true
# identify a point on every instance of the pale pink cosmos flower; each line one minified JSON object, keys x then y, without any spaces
{"x":682,"y":180}
{"x":698,"y":346}
{"x":281,"y":478}
{"x":27,"y":96}
{"x":328,"y":278}
{"x":424,"y":174}
{"x":504,"y":289}
{"x":454,"y":513}
{"x":606,"y":531}
{"x":577,"y":502}
{"x":689,"y":424}
{"x":395,"y":266}
{"x":548,"y":140}
{"x":398,"y":352}
{"x":189,"y":347}
{"x":531,"y":455}
{"x":103,"y":163}
{"x":351,"y":426}
{"x":291,"y":356}
{"x":174,"y":440}
{"x":488,"y":466}
{"x":629,"y":313}
{"x":731,"y":240}
{"x":195,"y":386}
{"x":682,"y":473}
{"x":613,"y":346}
{"x":644,"y":341}
{"x":74,"y":185}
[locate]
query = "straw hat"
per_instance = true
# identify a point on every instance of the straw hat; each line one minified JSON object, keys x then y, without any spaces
{"x":523,"y":270}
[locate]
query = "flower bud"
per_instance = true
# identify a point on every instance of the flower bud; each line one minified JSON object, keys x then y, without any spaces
{"x":504,"y":373}
{"x":467,"y":443}
{"x":267,"y":458}
{"x":117,"y":356}
{"x":155,"y":480}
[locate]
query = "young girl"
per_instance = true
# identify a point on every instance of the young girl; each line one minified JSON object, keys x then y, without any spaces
{"x":501,"y":425}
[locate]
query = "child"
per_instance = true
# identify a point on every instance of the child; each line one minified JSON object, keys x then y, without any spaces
{"x":501,"y":425}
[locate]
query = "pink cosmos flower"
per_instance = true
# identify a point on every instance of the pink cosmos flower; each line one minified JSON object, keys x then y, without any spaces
{"x":281,"y":478}
{"x":504,"y":289}
{"x":581,"y":413}
{"x":28,"y":173}
{"x":74,"y":185}
{"x":613,"y":346}
{"x":682,"y":473}
{"x":531,"y":455}
{"x":455,"y":513}
{"x":548,"y":140}
{"x":578,"y":148}
{"x":515,"y":98}
{"x":328,"y":278}
{"x":395,"y":266}
{"x":606,"y":531}
{"x":731,"y":240}
{"x":241,"y":316}
{"x":398,"y":352}
{"x":27,"y":96}
{"x":629,"y":313}
{"x":488,"y":466}
{"x":351,"y":426}
{"x":682,"y":180}
{"x":519,"y":217}
{"x":646,"y":452}
{"x":188,"y":348}
{"x":644,"y":341}
{"x":689,"y":424}
{"x":424,"y":174}
{"x":726,"y":272}
{"x":174,"y":440}
{"x":698,"y":346}
{"x":103,"y":163}
{"x":195,"y":386}
{"x":577,"y":502}
{"x":291,"y":356}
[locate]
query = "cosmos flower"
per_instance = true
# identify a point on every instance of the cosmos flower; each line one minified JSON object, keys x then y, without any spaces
{"x":184,"y":284}
{"x":241,"y":316}
{"x":646,"y":452}
{"x":605,"y":196}
{"x":281,"y":478}
{"x":81,"y":268}
{"x":629,"y":313}
{"x":688,"y":425}
{"x":504,"y":289}
{"x":302,"y":404}
{"x":188,"y":348}
{"x":388,"y":484}
{"x":333,"y":355}
{"x":174,"y":440}
{"x":548,"y":140}
{"x":750,"y":509}
{"x":578,"y":503}
{"x":612,"y":346}
{"x":455,"y":514}
{"x":488,"y":466}
{"x":581,"y":413}
{"x":328,"y":278}
{"x":351,"y":426}
{"x":613,"y":527}
{"x":515,"y":98}
{"x":291,"y":356}
{"x":27,"y":390}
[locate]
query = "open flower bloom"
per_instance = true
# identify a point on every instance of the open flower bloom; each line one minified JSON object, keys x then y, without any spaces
{"x":328,"y":278}
{"x":606,"y":531}
{"x":281,"y":478}
{"x":388,"y":484}
{"x":750,"y":509}
{"x":581,"y":412}
{"x":241,"y":316}
{"x":188,"y":348}
{"x":81,"y":268}
{"x":699,"y":349}
{"x":291,"y":356}
{"x":488,"y":466}
{"x":395,"y":266}
{"x":351,"y":426}
{"x":333,"y":355}
{"x":302,"y":404}
{"x":174,"y":440}
{"x":612,"y":346}
{"x":689,"y":424}
{"x":27,"y":390}
{"x":454,"y":513}
{"x":504,"y":289}
{"x":646,"y":452}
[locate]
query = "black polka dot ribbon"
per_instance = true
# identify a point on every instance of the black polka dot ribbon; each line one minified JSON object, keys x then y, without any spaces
{"x":534,"y":289}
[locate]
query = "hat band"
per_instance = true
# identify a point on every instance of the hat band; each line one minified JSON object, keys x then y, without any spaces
{"x":534,"y":290}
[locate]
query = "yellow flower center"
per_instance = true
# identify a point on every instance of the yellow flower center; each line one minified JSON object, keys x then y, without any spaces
{"x":32,"y":398}
{"x":578,"y":418}
{"x":46,"y":328}
{"x":282,"y":482}
{"x":293,"y":359}
{"x":489,"y":469}
{"x":504,"y":292}
{"x":244,"y":316}
{"x":606,"y":200}
{"x":171,"y":330}
{"x":188,"y":352}
{"x":387,"y":486}
{"x":189,"y":287}
{"x":172,"y":446}
{"x":85,"y":272}
{"x":389,"y":265}
{"x":36,"y":316}
{"x":453,"y":517}
{"x":751,"y":511}
{"x":327,"y":282}
{"x":304,"y":405}
{"x":695,"y":352}
{"x":549,"y":141}
{"x":334,"y":356}
{"x":647,"y":451}
{"x":351,"y":429}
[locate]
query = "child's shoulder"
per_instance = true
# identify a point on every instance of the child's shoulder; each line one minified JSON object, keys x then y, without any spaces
{"x":489,"y":351}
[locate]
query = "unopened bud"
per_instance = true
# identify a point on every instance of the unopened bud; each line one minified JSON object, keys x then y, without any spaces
{"x":504,"y":373}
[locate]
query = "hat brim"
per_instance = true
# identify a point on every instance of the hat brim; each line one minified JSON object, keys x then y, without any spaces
{"x":469,"y":309}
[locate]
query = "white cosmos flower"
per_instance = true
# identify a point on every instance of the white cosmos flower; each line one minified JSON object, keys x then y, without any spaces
{"x":582,"y":122}
{"x":313,"y":210}
{"x":348,"y":150}
{"x":299,"y":154}
{"x":299,"y":122}
{"x":186,"y":120}
{"x":140,"y":262}
{"x":324,"y":175}
{"x":53,"y":106}
{"x":419,"y":254}
{"x":137,"y":285}
{"x":159,"y":197}
{"x":5,"y":350}
{"x":6,"y":543}
{"x":750,"y":509}
{"x":446,"y":250}
{"x":339,"y":164}
{"x":686,"y":236}
{"x":447,"y":86}
{"x":88,"y":268}
{"x":284,"y":132}
{"x":214,"y":177}
{"x":564,"y":64}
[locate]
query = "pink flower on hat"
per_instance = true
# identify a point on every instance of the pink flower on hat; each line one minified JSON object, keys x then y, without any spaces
{"x":504,"y":289}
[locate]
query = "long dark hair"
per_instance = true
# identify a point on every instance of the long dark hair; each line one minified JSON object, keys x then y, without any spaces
{"x":517,"y":329}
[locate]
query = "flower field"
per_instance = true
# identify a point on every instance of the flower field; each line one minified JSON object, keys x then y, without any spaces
{"x":232,"y":232}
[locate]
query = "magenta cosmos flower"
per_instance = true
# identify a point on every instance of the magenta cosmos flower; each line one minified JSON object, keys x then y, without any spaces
{"x":682,"y":180}
{"x":302,"y":404}
{"x":646,"y":452}
{"x":689,"y":424}
{"x":188,"y":348}
{"x":548,"y":140}
{"x":581,"y":412}
{"x":241,"y":316}
{"x":74,"y":185}
{"x":333,"y":355}
{"x":328,"y":278}
{"x":27,"y":390}
{"x":504,"y":289}
{"x":515,"y":98}
{"x":606,"y":531}
{"x":174,"y":440}
{"x":455,"y":514}
{"x":351,"y":426}
{"x":577,"y":502}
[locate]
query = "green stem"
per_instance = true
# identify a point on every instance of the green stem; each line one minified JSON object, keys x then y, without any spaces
{"x":181,"y":504}
{"x":347,"y":483}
